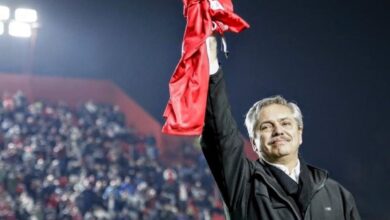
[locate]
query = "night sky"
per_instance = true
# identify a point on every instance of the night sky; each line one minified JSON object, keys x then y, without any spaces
{"x":331,"y":57}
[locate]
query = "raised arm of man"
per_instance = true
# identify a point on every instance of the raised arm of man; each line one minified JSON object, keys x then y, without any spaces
{"x":221,"y":141}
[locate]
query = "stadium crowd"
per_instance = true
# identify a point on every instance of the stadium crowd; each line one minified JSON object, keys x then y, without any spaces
{"x":58,"y":162}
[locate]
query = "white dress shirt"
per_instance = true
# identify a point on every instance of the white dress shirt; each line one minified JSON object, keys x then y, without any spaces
{"x":294,"y":173}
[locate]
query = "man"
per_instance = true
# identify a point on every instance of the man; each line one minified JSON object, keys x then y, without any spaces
{"x":279,"y":185}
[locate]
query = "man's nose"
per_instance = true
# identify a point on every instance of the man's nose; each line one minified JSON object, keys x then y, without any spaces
{"x":278,"y":130}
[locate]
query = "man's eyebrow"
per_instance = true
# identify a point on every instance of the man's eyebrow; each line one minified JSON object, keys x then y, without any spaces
{"x":265,"y":122}
{"x":285,"y":118}
{"x":270,"y":122}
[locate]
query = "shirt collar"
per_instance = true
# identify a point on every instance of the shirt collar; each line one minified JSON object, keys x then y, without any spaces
{"x":294,"y":173}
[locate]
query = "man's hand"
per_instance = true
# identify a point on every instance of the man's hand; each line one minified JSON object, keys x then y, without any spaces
{"x":212,"y":53}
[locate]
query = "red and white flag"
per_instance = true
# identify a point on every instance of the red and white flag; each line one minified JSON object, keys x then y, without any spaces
{"x":188,"y":86}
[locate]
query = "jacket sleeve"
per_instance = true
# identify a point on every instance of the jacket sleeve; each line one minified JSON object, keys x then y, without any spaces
{"x":223,"y":146}
{"x":351,"y":211}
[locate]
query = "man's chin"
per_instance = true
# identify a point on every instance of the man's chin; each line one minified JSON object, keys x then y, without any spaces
{"x":282,"y":151}
{"x":279,"y":151}
{"x":281,"y":148}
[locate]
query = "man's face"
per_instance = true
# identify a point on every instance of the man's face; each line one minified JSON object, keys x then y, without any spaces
{"x":277,"y":136}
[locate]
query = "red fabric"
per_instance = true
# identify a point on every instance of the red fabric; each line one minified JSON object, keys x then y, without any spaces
{"x":188,"y":86}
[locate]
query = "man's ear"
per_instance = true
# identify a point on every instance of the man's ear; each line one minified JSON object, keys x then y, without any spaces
{"x":254,"y":147}
{"x":300,"y":136}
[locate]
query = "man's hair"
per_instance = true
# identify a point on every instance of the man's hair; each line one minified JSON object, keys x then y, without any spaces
{"x":252,"y":116}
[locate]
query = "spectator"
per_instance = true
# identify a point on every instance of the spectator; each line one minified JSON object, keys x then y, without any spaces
{"x":57,"y":162}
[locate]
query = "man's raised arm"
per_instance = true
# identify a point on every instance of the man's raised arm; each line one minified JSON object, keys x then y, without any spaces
{"x":221,"y":141}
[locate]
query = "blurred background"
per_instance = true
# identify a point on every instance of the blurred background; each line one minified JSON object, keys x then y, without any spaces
{"x":79,"y":88}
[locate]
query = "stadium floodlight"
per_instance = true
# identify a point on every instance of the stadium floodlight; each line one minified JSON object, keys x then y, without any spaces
{"x":1,"y":28}
{"x":4,"y":12}
{"x":19,"y":29}
{"x":26,"y":15}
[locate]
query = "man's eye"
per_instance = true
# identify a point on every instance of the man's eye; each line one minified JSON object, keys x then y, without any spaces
{"x":265,"y":127}
{"x":286,"y":123}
